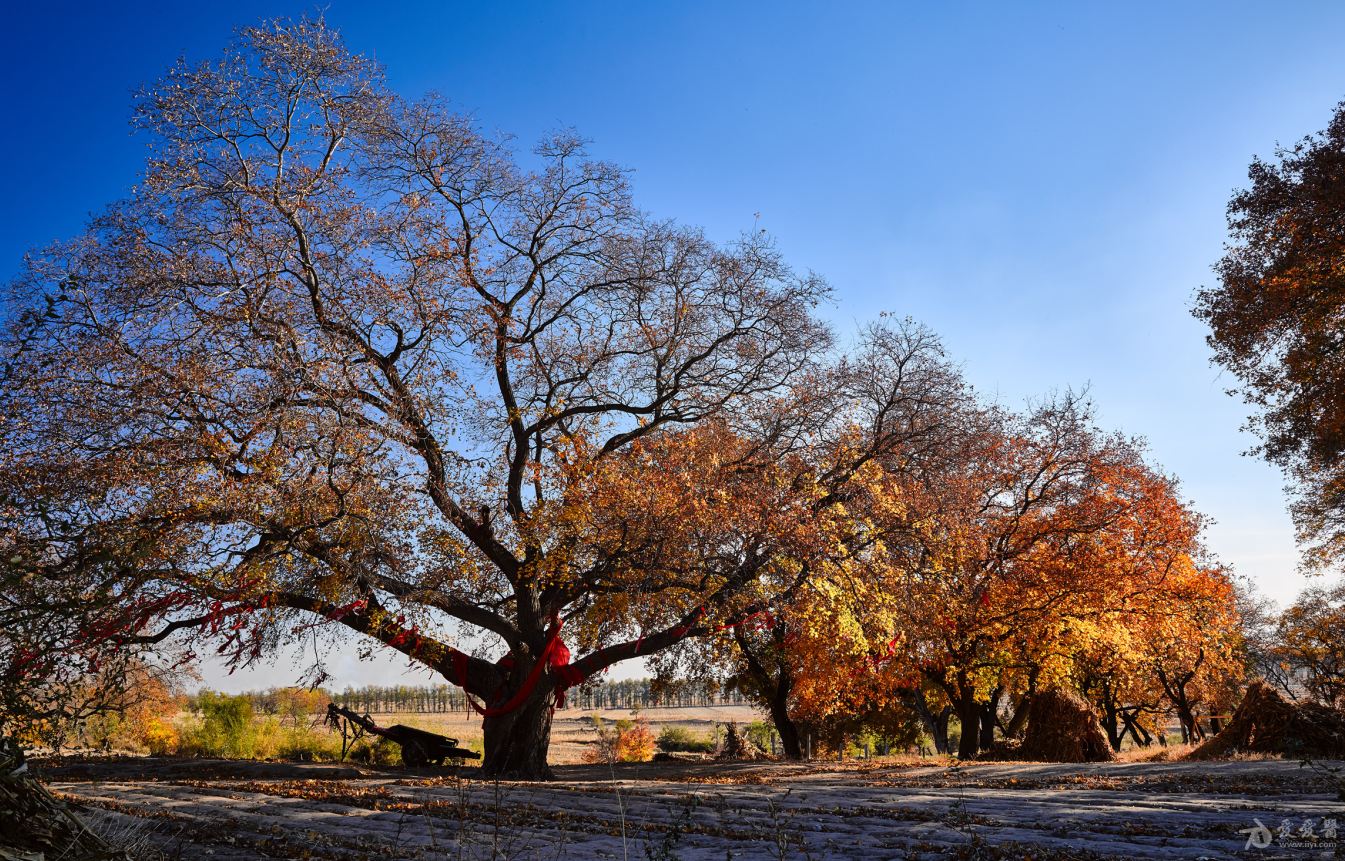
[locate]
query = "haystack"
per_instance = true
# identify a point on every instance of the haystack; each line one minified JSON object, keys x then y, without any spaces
{"x":738,"y":747}
{"x":1267,"y":723}
{"x":1062,"y":727}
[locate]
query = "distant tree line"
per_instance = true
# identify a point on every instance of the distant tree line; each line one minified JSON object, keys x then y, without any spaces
{"x":624,"y":694}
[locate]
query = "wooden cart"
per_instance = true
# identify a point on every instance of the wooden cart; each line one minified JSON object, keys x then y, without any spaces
{"x":418,"y":746}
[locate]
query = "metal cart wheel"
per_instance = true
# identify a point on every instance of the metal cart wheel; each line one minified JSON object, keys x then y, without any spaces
{"x":414,"y":754}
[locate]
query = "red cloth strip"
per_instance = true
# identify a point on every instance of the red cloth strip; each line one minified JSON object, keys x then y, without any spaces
{"x":557,"y":655}
{"x":543,"y":661}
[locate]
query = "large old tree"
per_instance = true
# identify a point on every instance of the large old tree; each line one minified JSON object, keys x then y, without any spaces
{"x":343,"y":361}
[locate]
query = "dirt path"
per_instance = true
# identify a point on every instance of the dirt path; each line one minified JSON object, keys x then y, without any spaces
{"x":712,"y":811}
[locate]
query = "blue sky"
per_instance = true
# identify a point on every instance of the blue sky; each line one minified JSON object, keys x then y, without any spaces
{"x":1042,"y":184}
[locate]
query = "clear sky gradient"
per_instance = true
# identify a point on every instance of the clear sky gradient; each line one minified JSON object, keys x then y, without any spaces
{"x":1042,"y":184}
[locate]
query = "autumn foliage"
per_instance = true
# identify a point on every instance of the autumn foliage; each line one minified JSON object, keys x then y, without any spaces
{"x":344,"y":362}
{"x":1044,"y":554}
{"x":344,"y":365}
{"x":1274,"y":321}
{"x":1309,"y":646}
{"x":626,"y":741}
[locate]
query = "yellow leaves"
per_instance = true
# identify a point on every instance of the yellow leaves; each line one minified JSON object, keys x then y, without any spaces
{"x":160,"y":736}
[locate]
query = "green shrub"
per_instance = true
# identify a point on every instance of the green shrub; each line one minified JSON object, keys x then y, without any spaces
{"x":226,"y":727}
{"x":854,"y":745}
{"x":233,"y":714}
{"x":302,"y":744}
{"x":376,"y":751}
{"x":229,"y":728}
{"x":104,"y":730}
{"x":759,"y":733}
{"x":679,"y":739}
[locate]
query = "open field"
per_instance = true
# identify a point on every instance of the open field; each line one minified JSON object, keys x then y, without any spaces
{"x":244,"y":810}
{"x":571,"y":731}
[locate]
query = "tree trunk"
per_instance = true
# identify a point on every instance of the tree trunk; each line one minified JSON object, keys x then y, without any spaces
{"x":516,"y":743}
{"x":962,"y":695}
{"x":789,"y":739}
{"x":1132,"y":726}
{"x":1190,"y":726}
{"x":1175,"y":688}
{"x":937,"y":726}
{"x":1019,"y":719}
{"x":941,"y":730}
{"x":789,"y":733}
{"x":969,"y":714}
{"x":779,"y":707}
{"x":1116,"y":721}
{"x":990,"y":717}
{"x":774,"y":684}
{"x":1110,"y":720}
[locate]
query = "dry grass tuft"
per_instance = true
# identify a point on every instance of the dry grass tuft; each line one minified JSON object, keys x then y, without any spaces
{"x":1171,"y":753}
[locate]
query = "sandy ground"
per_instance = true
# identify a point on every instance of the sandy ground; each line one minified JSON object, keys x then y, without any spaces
{"x":698,"y":812}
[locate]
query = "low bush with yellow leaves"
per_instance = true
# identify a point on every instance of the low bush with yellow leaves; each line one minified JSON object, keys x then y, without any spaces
{"x":627,"y":741}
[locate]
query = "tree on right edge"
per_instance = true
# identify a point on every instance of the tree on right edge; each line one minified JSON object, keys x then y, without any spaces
{"x":1276,"y":323}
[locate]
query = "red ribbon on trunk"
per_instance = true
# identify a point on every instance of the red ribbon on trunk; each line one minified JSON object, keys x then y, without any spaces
{"x":555,"y":654}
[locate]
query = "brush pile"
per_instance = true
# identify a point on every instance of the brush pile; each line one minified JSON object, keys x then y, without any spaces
{"x":1061,"y":727}
{"x":34,"y":825}
{"x":738,"y":747}
{"x":1268,"y":723}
